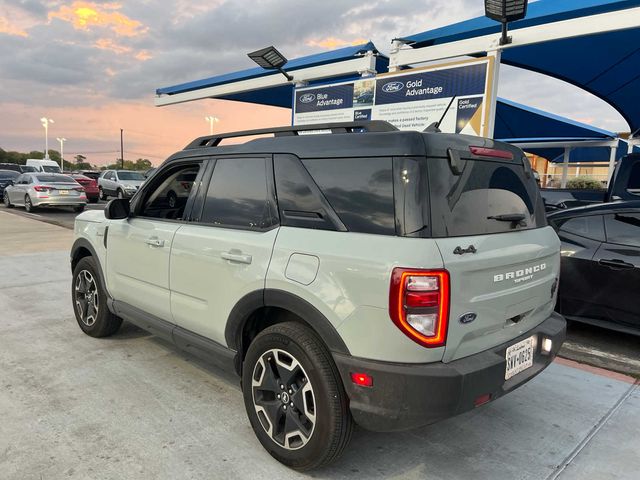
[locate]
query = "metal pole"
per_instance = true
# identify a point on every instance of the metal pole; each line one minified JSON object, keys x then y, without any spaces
{"x":122,"y":149}
{"x":492,"y":94}
{"x":565,"y":167}
{"x":46,"y":140}
{"x":612,"y":163}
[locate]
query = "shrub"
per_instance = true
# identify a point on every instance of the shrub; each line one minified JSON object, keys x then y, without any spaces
{"x":584,"y":183}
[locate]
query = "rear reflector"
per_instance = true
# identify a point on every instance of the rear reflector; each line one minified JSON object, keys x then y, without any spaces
{"x":482,"y":399}
{"x":491,"y":152}
{"x":419,"y":304}
{"x":362,"y":379}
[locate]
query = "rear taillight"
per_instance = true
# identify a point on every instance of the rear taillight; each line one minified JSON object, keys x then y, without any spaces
{"x":491,"y":152}
{"x":40,"y":188}
{"x":419,"y":304}
{"x":78,"y":189}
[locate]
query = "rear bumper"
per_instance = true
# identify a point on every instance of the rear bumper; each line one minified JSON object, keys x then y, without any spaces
{"x":406,"y":396}
{"x":58,"y":201}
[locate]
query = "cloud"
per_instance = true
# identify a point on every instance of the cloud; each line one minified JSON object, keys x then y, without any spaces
{"x":10,"y":29}
{"x":333,"y":42}
{"x":85,"y":15}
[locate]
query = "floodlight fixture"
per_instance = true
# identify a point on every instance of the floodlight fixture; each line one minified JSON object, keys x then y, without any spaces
{"x":505,"y":11}
{"x":270,"y":58}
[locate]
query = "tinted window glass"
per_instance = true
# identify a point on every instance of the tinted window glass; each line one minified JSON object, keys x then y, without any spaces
{"x":299,"y":201}
{"x":167,"y":195}
{"x":623,"y":228}
{"x":9,"y":174}
{"x":634,"y":179}
{"x":130,"y":176}
{"x":360,"y":190}
{"x":589,"y":227}
{"x":464,"y":204}
{"x":237,"y":194}
{"x":55,"y":179}
{"x":50,"y":168}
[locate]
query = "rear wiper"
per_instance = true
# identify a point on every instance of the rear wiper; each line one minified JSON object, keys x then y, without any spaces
{"x":516,"y":219}
{"x":508,"y":217}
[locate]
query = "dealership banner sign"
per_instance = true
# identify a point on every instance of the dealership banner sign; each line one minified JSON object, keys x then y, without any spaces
{"x":409,"y":100}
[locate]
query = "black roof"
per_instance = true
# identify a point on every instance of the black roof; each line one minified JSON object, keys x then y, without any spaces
{"x":349,"y":139}
{"x":596,"y":209}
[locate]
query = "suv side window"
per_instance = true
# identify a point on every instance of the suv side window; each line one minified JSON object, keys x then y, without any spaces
{"x":238,"y":195}
{"x":167,"y":196}
{"x":623,"y":229}
{"x":359,"y":189}
{"x":634,"y":179}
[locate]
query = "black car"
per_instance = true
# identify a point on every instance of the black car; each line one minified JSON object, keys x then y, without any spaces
{"x":600,"y":272}
{"x":6,"y":178}
{"x":11,"y":166}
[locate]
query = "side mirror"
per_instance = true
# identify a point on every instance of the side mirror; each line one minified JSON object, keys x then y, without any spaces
{"x":117,"y":209}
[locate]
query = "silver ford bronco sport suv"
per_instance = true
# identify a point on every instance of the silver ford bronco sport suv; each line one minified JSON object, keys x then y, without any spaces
{"x":364,"y":275}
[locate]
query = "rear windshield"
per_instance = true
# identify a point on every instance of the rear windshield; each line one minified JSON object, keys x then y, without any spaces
{"x":487,"y":197}
{"x":8,"y":174}
{"x":55,"y":179}
{"x":50,"y":169}
{"x":130,"y":176}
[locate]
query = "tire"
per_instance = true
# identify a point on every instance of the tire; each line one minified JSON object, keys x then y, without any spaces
{"x":90,"y":301}
{"x":316,"y":430}
{"x":7,"y":202}
{"x":101,"y":194}
{"x":28,"y":206}
{"x":78,"y":209}
{"x":120,"y":194}
{"x":172,"y":199}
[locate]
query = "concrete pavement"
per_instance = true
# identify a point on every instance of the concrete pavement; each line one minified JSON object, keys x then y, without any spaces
{"x":134,"y":407}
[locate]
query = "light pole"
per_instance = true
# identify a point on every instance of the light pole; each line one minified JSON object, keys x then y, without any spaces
{"x":61,"y":140}
{"x":211,"y":119}
{"x":45,"y":123}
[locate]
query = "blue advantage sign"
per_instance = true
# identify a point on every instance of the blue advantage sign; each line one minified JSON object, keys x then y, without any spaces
{"x":410,"y":100}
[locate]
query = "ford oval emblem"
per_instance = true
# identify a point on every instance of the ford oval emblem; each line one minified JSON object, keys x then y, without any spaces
{"x":467,"y":317}
{"x":307,"y":97}
{"x":392,"y":87}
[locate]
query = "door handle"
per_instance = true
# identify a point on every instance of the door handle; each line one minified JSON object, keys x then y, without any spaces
{"x":616,"y":264}
{"x":236,"y":256}
{"x":154,"y":242}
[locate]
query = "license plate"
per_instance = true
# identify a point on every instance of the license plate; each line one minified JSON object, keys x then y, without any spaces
{"x":63,"y":192}
{"x":519,"y":357}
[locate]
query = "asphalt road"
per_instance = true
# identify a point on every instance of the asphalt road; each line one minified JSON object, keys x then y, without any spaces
{"x":585,"y":343}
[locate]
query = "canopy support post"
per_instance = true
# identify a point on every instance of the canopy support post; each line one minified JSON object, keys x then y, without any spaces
{"x":492,"y":92}
{"x":612,"y":163}
{"x":565,"y":167}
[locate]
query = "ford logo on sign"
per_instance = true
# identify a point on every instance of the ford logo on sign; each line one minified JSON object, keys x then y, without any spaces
{"x":392,"y":87}
{"x":307,"y":97}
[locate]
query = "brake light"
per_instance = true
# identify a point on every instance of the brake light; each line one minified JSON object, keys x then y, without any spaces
{"x":78,"y":189}
{"x":40,"y":188}
{"x":419,"y":304}
{"x":491,"y":152}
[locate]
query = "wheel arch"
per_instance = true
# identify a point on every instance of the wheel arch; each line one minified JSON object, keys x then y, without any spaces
{"x":82,"y":248}
{"x":262,"y":308}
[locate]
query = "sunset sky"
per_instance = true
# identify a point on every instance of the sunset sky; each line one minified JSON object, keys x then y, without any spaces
{"x":93,"y":67}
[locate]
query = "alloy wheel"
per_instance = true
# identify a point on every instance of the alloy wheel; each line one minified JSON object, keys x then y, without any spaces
{"x":283,"y":399}
{"x":86,"y":297}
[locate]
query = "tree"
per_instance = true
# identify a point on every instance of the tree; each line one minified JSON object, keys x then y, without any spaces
{"x":139,"y":164}
{"x":80,"y":159}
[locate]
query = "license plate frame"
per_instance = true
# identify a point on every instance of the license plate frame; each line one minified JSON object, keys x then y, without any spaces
{"x":519,"y":357}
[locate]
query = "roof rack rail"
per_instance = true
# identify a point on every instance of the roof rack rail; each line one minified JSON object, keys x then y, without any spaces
{"x":339,"y":127}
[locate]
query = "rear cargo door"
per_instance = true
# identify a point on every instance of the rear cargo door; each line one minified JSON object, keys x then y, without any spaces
{"x":489,"y":224}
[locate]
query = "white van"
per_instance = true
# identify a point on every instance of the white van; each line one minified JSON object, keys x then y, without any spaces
{"x":48,"y":166}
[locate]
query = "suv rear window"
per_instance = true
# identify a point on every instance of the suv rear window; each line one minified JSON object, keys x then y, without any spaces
{"x":464,"y":204}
